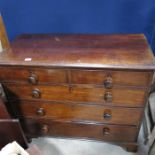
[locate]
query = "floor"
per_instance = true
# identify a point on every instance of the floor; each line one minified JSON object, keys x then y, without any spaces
{"x":57,"y":146}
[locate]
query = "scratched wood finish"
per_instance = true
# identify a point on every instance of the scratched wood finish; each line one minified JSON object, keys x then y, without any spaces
{"x":126,"y":78}
{"x":81,"y":130}
{"x":42,"y":75}
{"x":70,"y":112}
{"x":121,"y":96}
{"x":3,"y":36}
{"x":123,"y":51}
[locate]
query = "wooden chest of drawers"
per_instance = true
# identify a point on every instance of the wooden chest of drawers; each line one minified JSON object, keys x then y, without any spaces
{"x":83,"y":86}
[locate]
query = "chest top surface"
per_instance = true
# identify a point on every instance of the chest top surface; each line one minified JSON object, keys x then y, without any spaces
{"x":123,"y":51}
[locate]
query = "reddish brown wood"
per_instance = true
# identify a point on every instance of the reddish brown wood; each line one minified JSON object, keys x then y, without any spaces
{"x":59,"y":83}
{"x":129,"y":78}
{"x":131,"y":97}
{"x":10,"y":130}
{"x":70,"y":112}
{"x":94,"y":51}
{"x":80,"y":130}
{"x":42,"y":75}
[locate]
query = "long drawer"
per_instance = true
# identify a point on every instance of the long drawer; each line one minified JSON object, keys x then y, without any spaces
{"x":47,"y":127}
{"x":76,"y":76}
{"x":78,"y":112}
{"x":121,"y":96}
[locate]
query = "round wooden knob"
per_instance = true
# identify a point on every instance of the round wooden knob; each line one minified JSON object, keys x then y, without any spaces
{"x":108,"y":82}
{"x":108,"y":97}
{"x":107,"y":114}
{"x":36,"y":93}
{"x":44,"y":128}
{"x":40,"y":112}
{"x":33,"y":79}
{"x":106,"y":131}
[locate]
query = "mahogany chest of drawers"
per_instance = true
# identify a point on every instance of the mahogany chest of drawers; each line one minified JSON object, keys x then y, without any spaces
{"x":81,"y":86}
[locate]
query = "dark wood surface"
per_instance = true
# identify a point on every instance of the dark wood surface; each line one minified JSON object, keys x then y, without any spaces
{"x":86,"y":113}
{"x":126,"y":78}
{"x":91,"y":51}
{"x":123,"y":96}
{"x":82,"y":86}
{"x":10,"y":130}
{"x":22,"y":75}
{"x":75,"y":76}
{"x":46,"y":127}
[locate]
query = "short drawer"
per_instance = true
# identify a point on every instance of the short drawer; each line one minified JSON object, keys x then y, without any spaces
{"x":110,"y":78}
{"x":119,"y":96}
{"x":79,"y":112}
{"x":33,"y":75}
{"x":47,"y":127}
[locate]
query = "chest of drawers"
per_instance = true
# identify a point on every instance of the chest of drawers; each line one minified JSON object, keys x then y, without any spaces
{"x":81,"y":86}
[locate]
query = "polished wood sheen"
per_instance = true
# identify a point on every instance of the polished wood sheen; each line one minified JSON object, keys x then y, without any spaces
{"x":23,"y":75}
{"x":45,"y":127}
{"x":128,"y":78}
{"x":70,"y":112}
{"x":94,"y":51}
{"x":80,"y":86}
{"x":121,"y":96}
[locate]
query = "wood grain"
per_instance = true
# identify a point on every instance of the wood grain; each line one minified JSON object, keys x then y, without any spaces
{"x":126,"y":78}
{"x":23,"y":74}
{"x":75,"y":112}
{"x":121,"y":96}
{"x":80,"y":130}
{"x":120,"y":51}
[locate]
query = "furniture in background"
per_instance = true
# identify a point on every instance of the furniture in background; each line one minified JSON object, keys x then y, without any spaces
{"x":81,"y":86}
{"x":10,"y":128}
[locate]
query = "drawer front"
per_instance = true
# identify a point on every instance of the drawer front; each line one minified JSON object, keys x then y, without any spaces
{"x":117,"y":96}
{"x":33,"y":76}
{"x":76,"y":112}
{"x":45,"y":127}
{"x":130,"y":78}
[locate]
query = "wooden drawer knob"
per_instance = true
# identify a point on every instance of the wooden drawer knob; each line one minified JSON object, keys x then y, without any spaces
{"x":108,"y":97}
{"x":106,"y":131}
{"x":40,"y":112}
{"x":36,"y":93}
{"x":33,"y":79}
{"x":107,"y":114}
{"x":45,"y":128}
{"x":108,"y":82}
